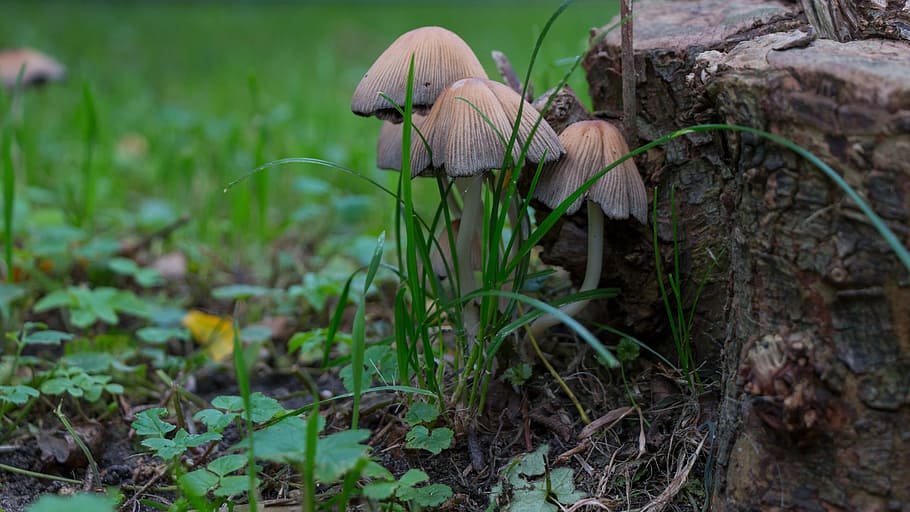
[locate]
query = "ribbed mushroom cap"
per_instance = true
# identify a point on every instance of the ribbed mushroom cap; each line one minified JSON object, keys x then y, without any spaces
{"x":39,"y":68}
{"x":440,"y":58}
{"x":463,"y":143}
{"x":388,"y":147}
{"x":591,"y":146}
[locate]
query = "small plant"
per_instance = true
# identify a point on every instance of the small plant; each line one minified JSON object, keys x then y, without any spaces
{"x":420,"y":417}
{"x":527,"y":484}
{"x":87,"y":306}
{"x":405,"y":491}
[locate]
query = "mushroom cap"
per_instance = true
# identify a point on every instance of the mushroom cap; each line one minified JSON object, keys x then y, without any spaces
{"x":463,"y":143}
{"x":440,"y":58}
{"x":388,"y":146}
{"x":39,"y":68}
{"x":591,"y":146}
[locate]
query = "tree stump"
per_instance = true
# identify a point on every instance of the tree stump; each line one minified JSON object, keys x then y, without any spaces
{"x":806,"y":321}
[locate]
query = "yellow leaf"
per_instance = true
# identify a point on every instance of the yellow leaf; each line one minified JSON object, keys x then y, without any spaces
{"x":215,"y":333}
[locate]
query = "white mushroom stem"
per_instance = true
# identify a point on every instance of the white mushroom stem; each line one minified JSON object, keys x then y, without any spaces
{"x":471,"y":216}
{"x":592,"y":272}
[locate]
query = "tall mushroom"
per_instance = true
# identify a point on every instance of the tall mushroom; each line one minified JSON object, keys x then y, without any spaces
{"x":590,"y":147}
{"x":466,"y":132}
{"x":440,"y":58}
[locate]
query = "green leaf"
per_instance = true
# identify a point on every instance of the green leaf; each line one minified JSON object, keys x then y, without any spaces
{"x":338,"y":453}
{"x":214,"y":419}
{"x":532,"y":464}
{"x":263,"y":407}
{"x":531,"y":500}
{"x":239,"y":291}
{"x":412,"y":478}
{"x":227,"y":464}
{"x":18,"y":394}
{"x":421,"y":412}
{"x":58,"y":386}
{"x":10,"y":293}
{"x":76,"y":503}
{"x":82,"y":318}
{"x":149,"y":423}
{"x":49,"y":337}
{"x":627,"y":350}
{"x":148,"y":277}
{"x":255,"y":333}
{"x":433,"y":441}
{"x":159,"y":335}
{"x":55,"y":299}
{"x":562,"y":484}
{"x":379,"y":490}
{"x":231,"y":485}
{"x":198,"y":482}
{"x":428,"y":496}
{"x":123,"y":266}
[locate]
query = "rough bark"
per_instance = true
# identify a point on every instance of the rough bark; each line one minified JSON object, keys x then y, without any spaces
{"x":807,"y":320}
{"x":848,"y":20}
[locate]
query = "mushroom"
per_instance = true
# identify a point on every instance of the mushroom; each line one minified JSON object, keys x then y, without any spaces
{"x":465,"y":145}
{"x":388,"y":146}
{"x":440,"y":58}
{"x":39,"y":68}
{"x":591,"y":146}
{"x":388,"y":153}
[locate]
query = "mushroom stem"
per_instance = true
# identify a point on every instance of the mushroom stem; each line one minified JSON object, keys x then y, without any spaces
{"x":472,"y":213}
{"x":592,"y":271}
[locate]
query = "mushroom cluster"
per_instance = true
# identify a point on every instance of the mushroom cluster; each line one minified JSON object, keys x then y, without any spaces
{"x":463,"y":124}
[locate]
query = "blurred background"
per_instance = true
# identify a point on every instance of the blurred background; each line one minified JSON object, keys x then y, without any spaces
{"x":165,"y":103}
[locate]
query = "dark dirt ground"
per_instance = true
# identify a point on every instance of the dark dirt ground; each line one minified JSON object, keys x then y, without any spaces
{"x":656,"y":458}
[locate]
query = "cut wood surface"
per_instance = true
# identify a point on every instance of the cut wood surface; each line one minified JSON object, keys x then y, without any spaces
{"x":806,"y":321}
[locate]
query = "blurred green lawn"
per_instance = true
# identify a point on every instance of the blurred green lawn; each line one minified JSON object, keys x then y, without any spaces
{"x":190,"y":95}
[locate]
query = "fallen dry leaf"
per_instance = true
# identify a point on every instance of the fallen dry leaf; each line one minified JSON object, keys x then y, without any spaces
{"x":215,"y":333}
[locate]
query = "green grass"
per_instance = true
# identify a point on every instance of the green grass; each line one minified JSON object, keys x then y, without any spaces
{"x":168,"y":102}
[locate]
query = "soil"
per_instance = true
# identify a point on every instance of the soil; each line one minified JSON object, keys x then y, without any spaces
{"x":654,"y":457}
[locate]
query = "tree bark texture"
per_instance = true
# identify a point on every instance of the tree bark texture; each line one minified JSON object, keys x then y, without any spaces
{"x":806,"y":320}
{"x":847,"y":20}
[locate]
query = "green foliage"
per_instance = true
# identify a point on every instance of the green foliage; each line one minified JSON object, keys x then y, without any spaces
{"x":627,"y":350}
{"x":78,"y":503}
{"x":518,"y":374}
{"x":421,"y":412}
{"x":75,"y":382}
{"x":527,"y":484}
{"x":145,"y":277}
{"x":149,"y":424}
{"x":433,"y":441}
{"x":336,"y":454}
{"x":87,"y":306}
{"x":18,"y":394}
{"x":405,"y":489}
{"x":217,"y":478}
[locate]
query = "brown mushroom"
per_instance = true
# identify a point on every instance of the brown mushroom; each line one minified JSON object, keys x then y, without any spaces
{"x":440,"y":58}
{"x":39,"y":68}
{"x":590,"y":147}
{"x":466,"y":133}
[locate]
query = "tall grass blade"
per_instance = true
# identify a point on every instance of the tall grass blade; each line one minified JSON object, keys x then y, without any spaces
{"x":243,"y":384}
{"x":87,"y":208}
{"x":358,"y":331}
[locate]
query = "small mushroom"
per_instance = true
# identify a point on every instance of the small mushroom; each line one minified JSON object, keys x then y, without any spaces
{"x":590,"y":147}
{"x":39,"y":68}
{"x":440,"y":58}
{"x":462,"y":142}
